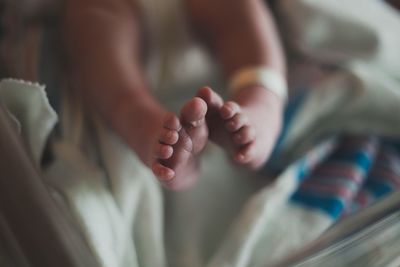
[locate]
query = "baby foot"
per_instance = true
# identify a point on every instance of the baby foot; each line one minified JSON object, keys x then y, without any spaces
{"x":247,"y":127}
{"x":179,"y":143}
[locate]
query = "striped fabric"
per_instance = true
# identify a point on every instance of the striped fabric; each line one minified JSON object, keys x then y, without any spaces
{"x":358,"y":171}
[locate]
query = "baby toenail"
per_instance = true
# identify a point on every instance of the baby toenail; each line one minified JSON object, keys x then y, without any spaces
{"x":197,"y":123}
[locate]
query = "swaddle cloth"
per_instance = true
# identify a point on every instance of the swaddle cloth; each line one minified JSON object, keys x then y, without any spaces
{"x":361,"y":89}
{"x":118,"y":212}
{"x":117,"y":207}
{"x":30,"y":110}
{"x":228,"y":219}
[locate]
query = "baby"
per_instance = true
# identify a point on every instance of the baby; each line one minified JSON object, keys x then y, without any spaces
{"x":106,"y":44}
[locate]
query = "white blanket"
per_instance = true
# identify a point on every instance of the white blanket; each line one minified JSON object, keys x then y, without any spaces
{"x":226,"y":219}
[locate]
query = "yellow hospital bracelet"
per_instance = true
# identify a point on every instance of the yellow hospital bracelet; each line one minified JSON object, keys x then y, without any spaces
{"x":266,"y":77}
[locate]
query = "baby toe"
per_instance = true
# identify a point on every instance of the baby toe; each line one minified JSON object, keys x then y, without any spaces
{"x":162,"y":151}
{"x":244,"y":135}
{"x":213,"y":100}
{"x":236,"y":122}
{"x":161,"y":172}
{"x":246,"y":153}
{"x":169,"y":137}
{"x":229,"y":109}
{"x":194,"y":112}
{"x":172,"y":122}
